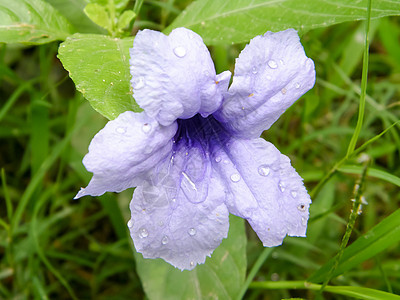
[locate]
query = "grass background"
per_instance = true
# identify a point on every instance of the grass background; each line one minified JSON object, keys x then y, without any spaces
{"x":53,"y":247}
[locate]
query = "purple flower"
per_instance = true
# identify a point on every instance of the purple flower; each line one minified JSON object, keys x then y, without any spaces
{"x":195,"y":154}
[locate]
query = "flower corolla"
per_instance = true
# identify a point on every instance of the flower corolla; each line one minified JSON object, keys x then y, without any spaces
{"x":195,"y":153}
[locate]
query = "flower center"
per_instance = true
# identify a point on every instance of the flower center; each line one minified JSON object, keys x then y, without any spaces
{"x":201,"y":132}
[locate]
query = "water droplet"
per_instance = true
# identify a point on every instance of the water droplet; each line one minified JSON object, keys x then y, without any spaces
{"x":120,"y":130}
{"x":283,"y":91}
{"x":226,"y":162}
{"x":146,"y":127}
{"x":130,"y":223}
{"x":303,"y":221}
{"x":281,"y":185}
{"x":254,"y":70}
{"x":143,"y":233}
{"x":164,"y":240}
{"x":218,"y":159}
{"x":173,"y":200}
{"x":191,"y":263}
{"x":297,"y":85}
{"x":180,"y":51}
{"x":294,"y":194}
{"x":235,"y":177}
{"x":264,"y":170}
{"x":281,"y":61}
{"x":192,"y":231}
{"x":301,"y":207}
{"x":272,"y":64}
{"x":138,"y":83}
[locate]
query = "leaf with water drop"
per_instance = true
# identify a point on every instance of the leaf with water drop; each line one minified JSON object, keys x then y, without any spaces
{"x":222,"y":22}
{"x":99,"y":67}
{"x":221,"y":276}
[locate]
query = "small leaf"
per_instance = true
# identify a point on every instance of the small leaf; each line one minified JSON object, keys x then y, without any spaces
{"x":126,"y":17}
{"x":31,"y":21}
{"x":236,"y":21}
{"x":98,"y":14}
{"x":73,"y":11}
{"x":99,"y":67}
{"x":221,"y":277}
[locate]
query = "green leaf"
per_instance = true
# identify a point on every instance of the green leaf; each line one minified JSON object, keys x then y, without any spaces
{"x":371,"y":172}
{"x":126,"y":17}
{"x":379,"y":238}
{"x":31,"y":21}
{"x":99,"y":67}
{"x":73,"y":11}
{"x":219,"y":278}
{"x":98,"y":14}
{"x":236,"y":21}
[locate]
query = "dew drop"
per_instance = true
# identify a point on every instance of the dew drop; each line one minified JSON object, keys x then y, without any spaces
{"x":235,"y":177}
{"x":297,"y":85}
{"x":281,"y":185}
{"x":283,"y":91}
{"x":143,"y":233}
{"x":264,"y":170}
{"x":294,"y":194}
{"x":146,"y":127}
{"x":192,"y":231}
{"x":191,"y":263}
{"x":218,"y":159}
{"x":301,"y":207}
{"x":130,"y":223}
{"x":281,"y":61}
{"x":180,"y":51}
{"x":272,"y":64}
{"x":226,"y":162}
{"x":303,"y":221}
{"x":138,"y":83}
{"x":254,"y":70}
{"x":120,"y":130}
{"x":164,"y":240}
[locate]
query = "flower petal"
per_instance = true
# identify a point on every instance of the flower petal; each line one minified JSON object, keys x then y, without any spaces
{"x":271,"y":73}
{"x":170,"y":222}
{"x":124,"y":150}
{"x":173,"y":76}
{"x":264,"y":189}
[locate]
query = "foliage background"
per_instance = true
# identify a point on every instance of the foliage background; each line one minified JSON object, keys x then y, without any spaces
{"x":53,"y":247}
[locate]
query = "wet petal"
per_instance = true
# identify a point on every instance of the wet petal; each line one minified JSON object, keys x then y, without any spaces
{"x":271,"y":73}
{"x":124,"y":150}
{"x":171,"y":221}
{"x":173,"y":76}
{"x":264,"y":189}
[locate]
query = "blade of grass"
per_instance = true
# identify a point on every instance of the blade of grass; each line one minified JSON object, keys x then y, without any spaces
{"x":364,"y":79}
{"x":351,"y":291}
{"x":371,"y":172}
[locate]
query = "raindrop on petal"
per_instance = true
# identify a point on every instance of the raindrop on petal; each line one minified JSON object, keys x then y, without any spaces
{"x":138,"y":83}
{"x":281,"y":185}
{"x":164,"y":240}
{"x":303,"y":221}
{"x":294,"y":194}
{"x":297,"y":85}
{"x":130,"y":223}
{"x":143,"y":233}
{"x":180,"y":51}
{"x":264,"y":170}
{"x":283,"y":91}
{"x":146,"y":127}
{"x":272,"y":64}
{"x":192,"y":231}
{"x":254,"y":70}
{"x":120,"y":130}
{"x":235,"y":177}
{"x":191,"y":263}
{"x":218,"y":159}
